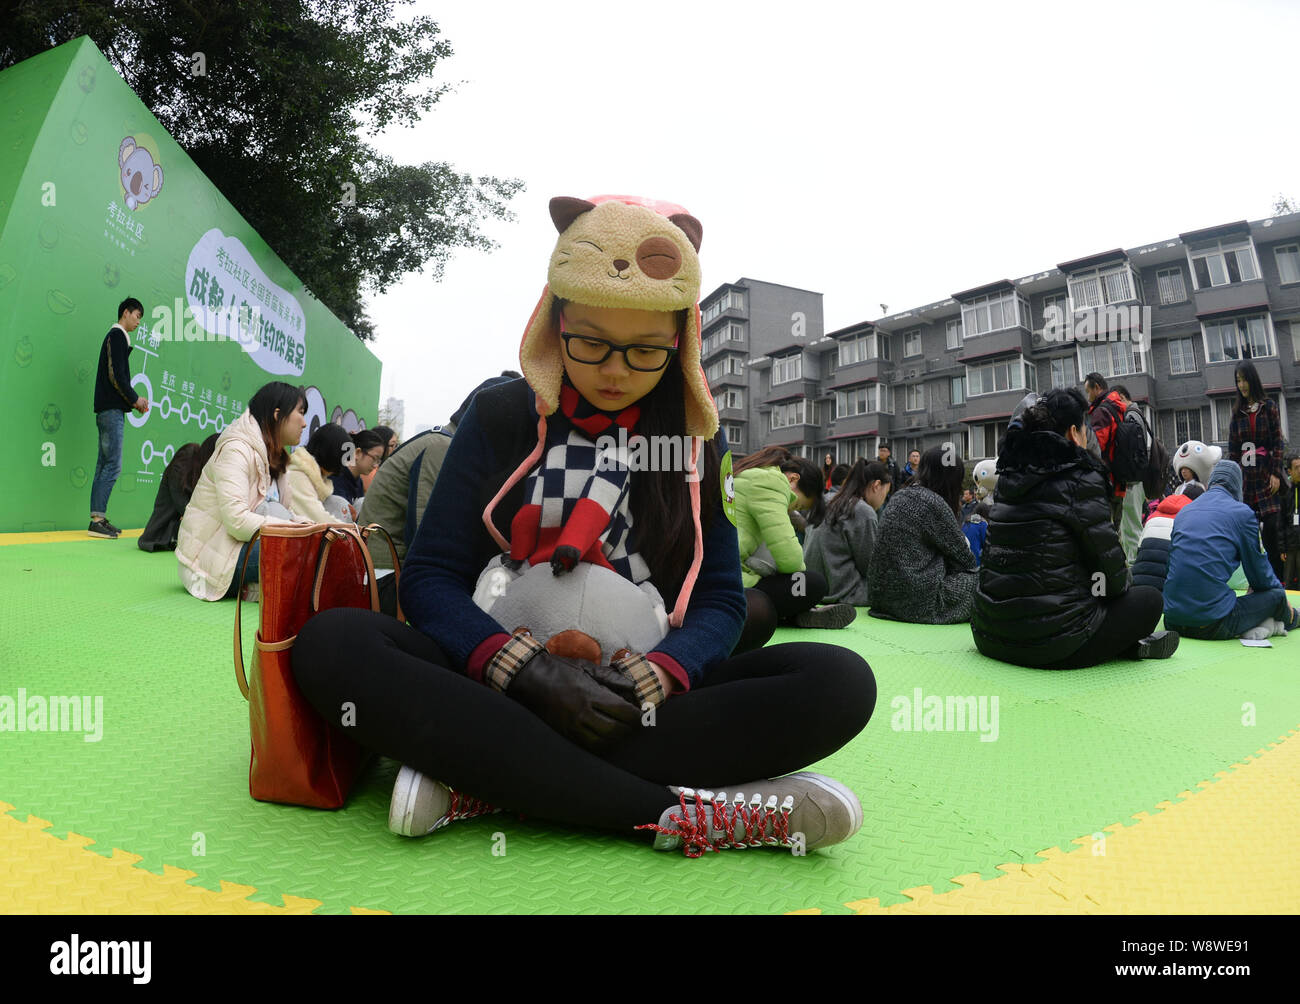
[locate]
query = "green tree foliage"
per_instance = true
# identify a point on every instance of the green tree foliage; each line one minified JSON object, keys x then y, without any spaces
{"x":276,"y":119}
{"x":1283,"y":205}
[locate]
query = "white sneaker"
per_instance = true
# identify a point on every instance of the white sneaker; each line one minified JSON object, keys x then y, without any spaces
{"x":420,"y":805}
{"x":799,"y":810}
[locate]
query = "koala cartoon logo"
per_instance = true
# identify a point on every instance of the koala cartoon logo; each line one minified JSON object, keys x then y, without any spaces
{"x":142,"y":179}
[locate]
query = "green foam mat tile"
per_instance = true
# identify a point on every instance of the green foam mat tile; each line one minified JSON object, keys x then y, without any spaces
{"x":1076,"y":751}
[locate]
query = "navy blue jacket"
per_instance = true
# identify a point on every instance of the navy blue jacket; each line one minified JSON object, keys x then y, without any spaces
{"x":452,"y":546}
{"x":113,"y":390}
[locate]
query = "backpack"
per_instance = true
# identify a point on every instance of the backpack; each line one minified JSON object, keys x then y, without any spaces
{"x":1132,"y":453}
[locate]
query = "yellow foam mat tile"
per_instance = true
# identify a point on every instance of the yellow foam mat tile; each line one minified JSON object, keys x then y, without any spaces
{"x":61,"y":537}
{"x":39,"y":873}
{"x":1233,"y":846}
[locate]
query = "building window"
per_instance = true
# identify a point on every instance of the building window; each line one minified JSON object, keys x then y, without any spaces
{"x":787,"y":369}
{"x":984,"y":440}
{"x":1099,"y":286}
{"x":1238,"y":338}
{"x":914,"y":397}
{"x":847,"y":451}
{"x":731,"y":365}
{"x":954,"y":333}
{"x":1055,"y":308}
{"x":1288,"y":263}
{"x":732,"y":397}
{"x":727,"y":333}
{"x":735,"y":436}
{"x":801,"y":412}
{"x":1182,"y":357}
{"x":733,"y":299}
{"x":1169,"y":284}
{"x":863,"y":399}
{"x":1187,"y":425}
{"x":911,"y":343}
{"x":994,"y":313}
{"x":863,"y":348}
{"x":1218,"y":263}
{"x":957,"y":390}
{"x":1111,"y":359}
{"x":1063,"y":374}
{"x":1004,"y":374}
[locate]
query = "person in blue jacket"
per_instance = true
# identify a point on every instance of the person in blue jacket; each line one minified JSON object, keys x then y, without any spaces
{"x":1211,"y":536}
{"x":481,"y":714}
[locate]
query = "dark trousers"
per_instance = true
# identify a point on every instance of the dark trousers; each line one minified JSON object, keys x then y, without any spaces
{"x":1128,"y":620}
{"x":793,"y":593}
{"x":758,"y":715}
{"x":1270,"y":535}
{"x":1250,"y":610}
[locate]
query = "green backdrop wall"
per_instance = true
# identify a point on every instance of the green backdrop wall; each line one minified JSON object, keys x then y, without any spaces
{"x":98,"y":203}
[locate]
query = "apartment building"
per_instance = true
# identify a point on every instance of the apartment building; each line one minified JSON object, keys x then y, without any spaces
{"x":1168,"y":319}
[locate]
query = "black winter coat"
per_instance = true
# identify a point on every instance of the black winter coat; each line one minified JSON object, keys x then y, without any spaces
{"x":169,"y":504}
{"x":1049,"y":532}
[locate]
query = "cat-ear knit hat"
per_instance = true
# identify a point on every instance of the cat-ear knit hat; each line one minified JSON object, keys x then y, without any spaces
{"x":622,"y":252}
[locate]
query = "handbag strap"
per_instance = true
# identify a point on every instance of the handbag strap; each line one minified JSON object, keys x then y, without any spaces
{"x":341,"y":532}
{"x":366,"y":531}
{"x":240,"y":677}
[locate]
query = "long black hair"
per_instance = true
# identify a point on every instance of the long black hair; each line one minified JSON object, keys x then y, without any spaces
{"x":197,"y":461}
{"x":942,"y":471}
{"x":661,"y":500}
{"x":861,"y":476}
{"x":1247,"y":369}
{"x":810,"y":481}
{"x":270,"y":398}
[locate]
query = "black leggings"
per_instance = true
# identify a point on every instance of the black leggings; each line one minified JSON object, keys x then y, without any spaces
{"x":793,"y":593}
{"x":1127,"y":621}
{"x":758,"y":715}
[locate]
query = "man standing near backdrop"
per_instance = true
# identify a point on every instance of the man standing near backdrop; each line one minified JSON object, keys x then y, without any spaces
{"x":114,"y":397}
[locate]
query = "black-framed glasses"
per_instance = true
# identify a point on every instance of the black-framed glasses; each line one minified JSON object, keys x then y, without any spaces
{"x":594,"y":351}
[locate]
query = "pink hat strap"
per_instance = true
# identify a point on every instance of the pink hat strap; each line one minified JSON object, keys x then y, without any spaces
{"x":513,"y":480}
{"x":688,"y":584}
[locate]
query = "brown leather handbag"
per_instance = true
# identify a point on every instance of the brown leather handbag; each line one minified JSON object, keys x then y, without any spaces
{"x":297,"y":756}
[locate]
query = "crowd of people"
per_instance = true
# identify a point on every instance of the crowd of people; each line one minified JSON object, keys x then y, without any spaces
{"x":510,"y":522}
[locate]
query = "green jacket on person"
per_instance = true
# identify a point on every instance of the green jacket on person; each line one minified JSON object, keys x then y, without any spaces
{"x":763,"y":500}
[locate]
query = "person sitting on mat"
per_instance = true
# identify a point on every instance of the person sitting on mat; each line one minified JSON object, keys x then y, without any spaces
{"x":769,"y":486}
{"x":1211,"y":536}
{"x":310,"y":491}
{"x":368,"y":452}
{"x":482,"y":718}
{"x":922,"y":569}
{"x":400,"y":492}
{"x":174,"y":491}
{"x":241,"y":488}
{"x":1053,"y":587}
{"x":839,"y":547}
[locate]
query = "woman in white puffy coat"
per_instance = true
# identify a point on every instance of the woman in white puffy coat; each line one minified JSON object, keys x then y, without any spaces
{"x":246,"y":471}
{"x":311,"y":493}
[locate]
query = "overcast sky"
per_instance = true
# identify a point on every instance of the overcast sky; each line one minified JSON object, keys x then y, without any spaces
{"x":876,"y":153}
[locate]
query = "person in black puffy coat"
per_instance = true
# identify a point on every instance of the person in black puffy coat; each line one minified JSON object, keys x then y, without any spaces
{"x":1053,"y":587}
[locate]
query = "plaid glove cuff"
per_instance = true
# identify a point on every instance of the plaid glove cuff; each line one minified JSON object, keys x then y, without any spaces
{"x":506,"y":664}
{"x":642,"y":673}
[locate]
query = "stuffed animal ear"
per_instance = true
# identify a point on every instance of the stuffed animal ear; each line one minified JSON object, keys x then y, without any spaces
{"x":690,"y":226}
{"x":565,"y":209}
